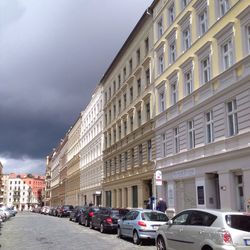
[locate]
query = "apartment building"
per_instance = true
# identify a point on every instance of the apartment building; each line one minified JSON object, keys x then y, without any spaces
{"x":72,"y":182}
{"x":1,"y":185}
{"x":91,"y":141}
{"x":129,"y":149}
{"x":202,"y":123}
{"x":57,"y":164}
{"x":24,"y":190}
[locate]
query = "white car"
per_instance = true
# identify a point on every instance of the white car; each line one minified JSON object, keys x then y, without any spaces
{"x":205,"y":229}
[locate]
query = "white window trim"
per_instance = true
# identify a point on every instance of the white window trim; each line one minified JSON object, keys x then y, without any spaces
{"x":187,"y":67}
{"x":201,"y":7}
{"x":234,"y":114}
{"x":171,"y":38}
{"x":191,"y":134}
{"x":170,"y":6}
{"x":209,"y":126}
{"x":164,"y":144}
{"x":176,"y":141}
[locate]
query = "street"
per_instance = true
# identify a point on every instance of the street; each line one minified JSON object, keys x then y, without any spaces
{"x":29,"y":231}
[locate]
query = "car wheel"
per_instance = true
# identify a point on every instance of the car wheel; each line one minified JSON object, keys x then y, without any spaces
{"x":70,"y":219}
{"x":207,"y":248}
{"x":160,"y":244}
{"x":136,"y":239}
{"x":119,"y":233}
{"x":102,"y":228}
{"x":91,"y":225}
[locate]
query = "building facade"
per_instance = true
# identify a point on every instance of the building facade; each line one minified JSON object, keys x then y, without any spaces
{"x":202,"y":81}
{"x":129,"y":149}
{"x":1,"y":185}
{"x":91,"y":141}
{"x":24,"y":191}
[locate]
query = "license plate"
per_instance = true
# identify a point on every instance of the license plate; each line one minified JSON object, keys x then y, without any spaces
{"x":247,"y":242}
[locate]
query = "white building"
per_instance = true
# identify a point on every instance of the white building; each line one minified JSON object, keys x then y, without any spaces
{"x":91,"y":141}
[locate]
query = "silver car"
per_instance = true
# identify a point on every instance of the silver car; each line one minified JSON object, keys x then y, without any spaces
{"x":205,"y":229}
{"x":141,"y":224}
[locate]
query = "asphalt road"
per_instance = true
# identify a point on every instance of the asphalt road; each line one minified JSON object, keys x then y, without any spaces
{"x":30,"y":231}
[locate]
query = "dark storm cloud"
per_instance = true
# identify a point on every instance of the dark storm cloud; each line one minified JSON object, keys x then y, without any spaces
{"x":52,"y":56}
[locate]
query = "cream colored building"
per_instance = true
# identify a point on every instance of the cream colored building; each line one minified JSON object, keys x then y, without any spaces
{"x":129,"y":149}
{"x":91,"y":140}
{"x":72,"y":182}
{"x":202,"y":81}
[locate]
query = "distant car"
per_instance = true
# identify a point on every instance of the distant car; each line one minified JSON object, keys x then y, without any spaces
{"x":205,"y":229}
{"x":87,"y":214}
{"x":106,"y":219}
{"x":141,"y":224}
{"x":64,"y":211}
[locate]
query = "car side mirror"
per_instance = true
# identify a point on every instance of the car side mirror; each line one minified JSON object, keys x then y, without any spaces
{"x":170,"y":222}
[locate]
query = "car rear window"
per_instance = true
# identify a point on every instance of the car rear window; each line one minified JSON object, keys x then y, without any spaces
{"x":154,"y":216}
{"x":119,"y":212}
{"x":240,"y":222}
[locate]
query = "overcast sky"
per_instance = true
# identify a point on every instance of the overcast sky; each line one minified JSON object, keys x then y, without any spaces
{"x":52,"y":55}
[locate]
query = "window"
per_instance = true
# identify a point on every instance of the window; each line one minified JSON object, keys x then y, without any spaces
{"x":162,"y":101}
{"x":159,"y":28}
{"x":132,"y":156}
{"x":191,"y":134}
{"x":209,"y":127}
{"x":114,"y":88}
{"x":184,"y":3}
{"x":173,"y":90}
{"x":139,"y":117}
{"x":109,"y":92}
{"x":114,"y":110}
{"x":124,"y":73}
{"x":164,"y":144}
{"x":176,"y":140}
{"x":171,"y":14}
{"x":138,"y":56}
{"x":114,"y":133}
{"x":120,"y":162}
{"x":140,"y":158}
{"x":131,"y":94}
{"x":203,"y":22}
{"x":172,"y":52}
{"x":139,"y":86}
{"x":227,"y":54}
{"x":125,"y":127}
{"x":148,"y":111}
{"x":160,"y":63}
{"x":120,"y":131}
{"x":119,"y":81}
{"x":188,"y":82}
{"x":130,"y":66}
{"x":119,"y":105}
{"x":205,"y":69}
{"x":146,"y":44}
{"x":126,"y":159}
{"x":125,"y":100}
{"x":131,"y":122}
{"x":149,"y":150}
{"x":232,"y":118}
{"x":248,"y":38}
{"x":186,"y":38}
{"x":147,"y":74}
{"x":223,"y":7}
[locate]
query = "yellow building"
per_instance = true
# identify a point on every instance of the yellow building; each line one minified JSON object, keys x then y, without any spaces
{"x":129,"y":150}
{"x":202,"y":80}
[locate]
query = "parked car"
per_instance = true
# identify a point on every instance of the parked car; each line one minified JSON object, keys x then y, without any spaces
{"x":106,"y":219}
{"x":141,"y":224}
{"x":205,"y":229}
{"x":64,"y":211}
{"x":75,"y":213}
{"x":56,"y":211}
{"x":87,"y":214}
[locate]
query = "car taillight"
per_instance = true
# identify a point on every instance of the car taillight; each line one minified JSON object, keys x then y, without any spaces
{"x":227,"y":237}
{"x":109,"y":220}
{"x":91,"y":214}
{"x":141,"y":223}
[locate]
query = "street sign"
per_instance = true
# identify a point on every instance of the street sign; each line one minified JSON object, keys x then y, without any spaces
{"x":158,"y":178}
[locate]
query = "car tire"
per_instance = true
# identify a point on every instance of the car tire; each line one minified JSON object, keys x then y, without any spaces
{"x":91,"y":225}
{"x":207,"y":248}
{"x":136,"y":239}
{"x":119,"y":233}
{"x":160,"y":243}
{"x":102,"y":230}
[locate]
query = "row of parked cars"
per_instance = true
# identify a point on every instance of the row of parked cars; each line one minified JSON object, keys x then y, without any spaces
{"x":191,"y":229}
{"x":6,"y":213}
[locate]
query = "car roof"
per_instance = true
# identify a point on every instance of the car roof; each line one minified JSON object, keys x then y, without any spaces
{"x":217,"y":211}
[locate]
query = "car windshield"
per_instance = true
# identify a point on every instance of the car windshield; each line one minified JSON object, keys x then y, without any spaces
{"x":154,"y":216}
{"x":240,"y":222}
